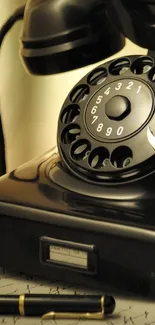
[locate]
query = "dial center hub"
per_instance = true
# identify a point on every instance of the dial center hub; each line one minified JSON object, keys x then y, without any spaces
{"x":117,"y":108}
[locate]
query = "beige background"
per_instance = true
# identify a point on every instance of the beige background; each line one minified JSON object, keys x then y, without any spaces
{"x":30,"y":105}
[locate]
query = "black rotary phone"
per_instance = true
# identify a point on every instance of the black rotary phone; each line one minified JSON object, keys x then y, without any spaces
{"x":84,"y":211}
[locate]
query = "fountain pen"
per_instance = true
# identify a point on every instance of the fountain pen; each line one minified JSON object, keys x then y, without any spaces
{"x":57,"y":306}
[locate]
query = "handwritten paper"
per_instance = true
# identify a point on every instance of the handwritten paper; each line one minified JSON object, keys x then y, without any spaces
{"x":128,"y":312}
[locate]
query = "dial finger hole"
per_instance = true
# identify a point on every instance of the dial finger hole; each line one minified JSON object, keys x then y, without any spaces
{"x":142,"y":65}
{"x":97,"y":76}
{"x":99,"y":158}
{"x":152,"y":74}
{"x":80,"y":150}
{"x":70,"y":114}
{"x":121,"y":157}
{"x":119,"y":66}
{"x":79,"y":94}
{"x":70,"y":134}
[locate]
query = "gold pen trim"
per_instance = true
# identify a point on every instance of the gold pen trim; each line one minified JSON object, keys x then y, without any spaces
{"x":21,"y":305}
{"x":87,"y":315}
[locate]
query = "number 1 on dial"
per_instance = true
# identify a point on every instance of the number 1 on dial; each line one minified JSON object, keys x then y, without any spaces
{"x":139,"y":89}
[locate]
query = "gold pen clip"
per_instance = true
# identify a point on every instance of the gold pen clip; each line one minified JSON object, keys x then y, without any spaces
{"x":87,"y":315}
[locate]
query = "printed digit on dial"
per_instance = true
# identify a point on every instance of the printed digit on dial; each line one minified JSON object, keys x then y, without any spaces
{"x":139,"y":89}
{"x":107,"y":91}
{"x":94,"y":109}
{"x":95,"y":117}
{"x":130,"y":84}
{"x":99,"y":100}
{"x":120,"y":130}
{"x":100,"y":127}
{"x":109,"y":131}
{"x":119,"y":85}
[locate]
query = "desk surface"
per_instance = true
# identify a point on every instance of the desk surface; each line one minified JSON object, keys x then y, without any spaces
{"x":128,"y":312}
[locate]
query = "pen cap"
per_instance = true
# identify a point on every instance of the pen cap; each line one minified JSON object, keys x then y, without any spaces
{"x":38,"y":305}
{"x":42,"y":304}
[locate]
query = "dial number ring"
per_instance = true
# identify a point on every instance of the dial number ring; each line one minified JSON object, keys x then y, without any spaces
{"x":101,"y":127}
